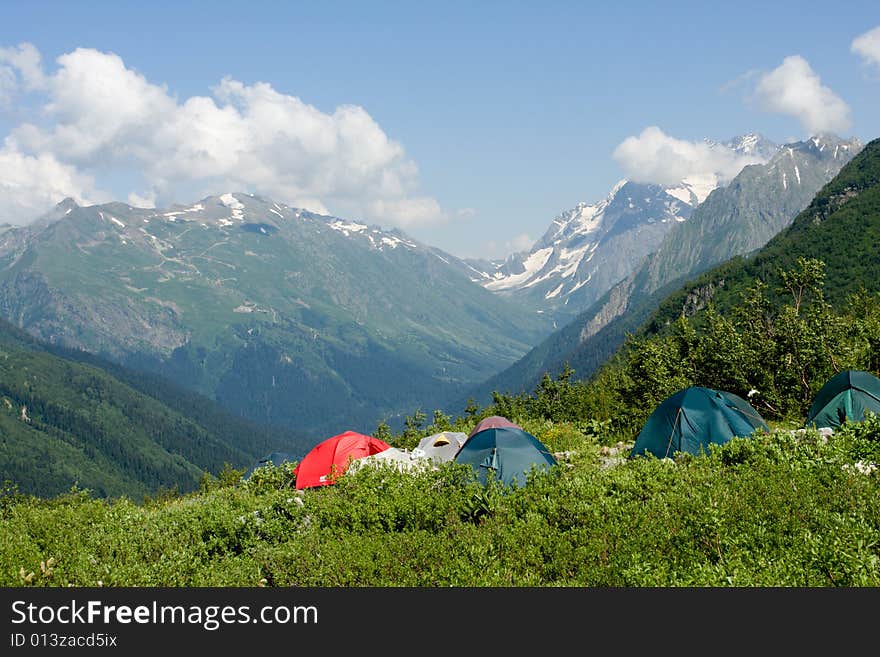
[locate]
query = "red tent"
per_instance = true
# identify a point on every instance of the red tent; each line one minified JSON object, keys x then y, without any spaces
{"x":329,"y":459}
{"x":493,"y":422}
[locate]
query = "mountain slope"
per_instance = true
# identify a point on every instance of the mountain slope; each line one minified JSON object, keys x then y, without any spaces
{"x":284,"y":317}
{"x":841,"y":227}
{"x":588,"y":249}
{"x":739,"y":217}
{"x":758,"y":203}
{"x":64,"y":422}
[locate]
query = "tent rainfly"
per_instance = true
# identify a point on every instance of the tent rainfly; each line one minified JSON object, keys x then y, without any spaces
{"x":441,"y":447}
{"x":329,"y":459}
{"x":505,"y":453}
{"x":493,"y":422}
{"x":692,"y":419}
{"x":845,"y":396}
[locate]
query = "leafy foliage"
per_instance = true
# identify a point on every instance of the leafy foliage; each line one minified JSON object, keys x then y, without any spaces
{"x":778,"y":509}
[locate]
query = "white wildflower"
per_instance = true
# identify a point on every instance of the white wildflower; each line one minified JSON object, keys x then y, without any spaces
{"x":861,"y":467}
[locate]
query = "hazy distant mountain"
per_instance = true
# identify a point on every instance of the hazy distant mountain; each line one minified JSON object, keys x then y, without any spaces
{"x":590,"y":247}
{"x":284,"y":316}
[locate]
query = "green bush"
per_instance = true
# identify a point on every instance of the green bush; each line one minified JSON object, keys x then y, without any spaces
{"x":781,"y":508}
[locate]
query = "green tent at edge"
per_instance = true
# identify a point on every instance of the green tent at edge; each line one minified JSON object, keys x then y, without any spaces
{"x":846,"y":395}
{"x":508,"y":453}
{"x":691,"y":419}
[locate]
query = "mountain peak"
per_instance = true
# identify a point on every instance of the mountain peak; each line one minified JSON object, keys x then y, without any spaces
{"x":826,"y":146}
{"x":823,"y":140}
{"x":752,"y":144}
{"x":67,"y":204}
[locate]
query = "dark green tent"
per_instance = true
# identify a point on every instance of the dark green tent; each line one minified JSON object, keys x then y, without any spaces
{"x":509,"y":453}
{"x":846,"y":395}
{"x":691,"y":419}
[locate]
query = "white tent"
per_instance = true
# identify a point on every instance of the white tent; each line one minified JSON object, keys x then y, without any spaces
{"x":401,"y":458}
{"x":441,"y":446}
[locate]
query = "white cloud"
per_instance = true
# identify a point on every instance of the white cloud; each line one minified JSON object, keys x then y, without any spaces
{"x":26,"y":61}
{"x":148,"y":200}
{"x":20,"y":68}
{"x":29,"y":184}
{"x":409,"y":211}
{"x":867,"y":46}
{"x":521,"y":242}
{"x":8,"y":85}
{"x":655,"y":157}
{"x":103,"y":119}
{"x":794,"y":88}
{"x":518,"y":244}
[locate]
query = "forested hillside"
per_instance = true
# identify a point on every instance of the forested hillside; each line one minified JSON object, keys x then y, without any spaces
{"x":841,"y":227}
{"x":66,"y":423}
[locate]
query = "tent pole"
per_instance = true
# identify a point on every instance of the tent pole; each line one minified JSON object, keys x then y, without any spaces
{"x":672,"y":435}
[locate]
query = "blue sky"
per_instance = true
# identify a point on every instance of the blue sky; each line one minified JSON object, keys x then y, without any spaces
{"x":470,"y":125}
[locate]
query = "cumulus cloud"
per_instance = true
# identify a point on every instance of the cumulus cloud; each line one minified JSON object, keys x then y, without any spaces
{"x":30,"y":184}
{"x":521,"y":242}
{"x":518,"y":244}
{"x":655,"y":157}
{"x":20,"y":69}
{"x":102,"y":118}
{"x":867,"y":46}
{"x":793,"y":88}
{"x":24,"y":63}
{"x":147,"y":200}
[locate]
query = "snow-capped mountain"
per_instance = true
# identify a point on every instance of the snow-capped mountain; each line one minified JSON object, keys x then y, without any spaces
{"x":284,"y":316}
{"x":735,"y":220}
{"x":589,"y":248}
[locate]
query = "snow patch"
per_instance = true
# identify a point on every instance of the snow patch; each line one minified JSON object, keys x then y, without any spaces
{"x":570,"y":259}
{"x":236,"y":206}
{"x":580,"y":285}
{"x":701,"y":185}
{"x":683,"y":194}
{"x":555,"y":292}
{"x":394,"y":242}
{"x":797,"y":173}
{"x":347,"y":227}
{"x":617,"y":187}
{"x":276,"y":212}
{"x":231,"y":202}
{"x":533,"y":264}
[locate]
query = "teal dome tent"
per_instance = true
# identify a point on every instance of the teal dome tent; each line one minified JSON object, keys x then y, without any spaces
{"x":845,"y":396}
{"x":505,"y":453}
{"x":693,"y":418}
